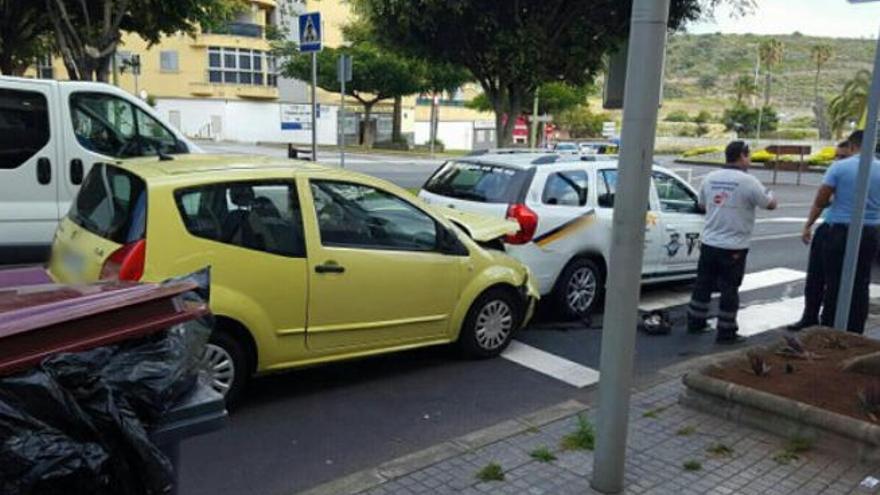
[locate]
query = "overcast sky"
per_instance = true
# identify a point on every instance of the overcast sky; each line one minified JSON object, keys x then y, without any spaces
{"x":837,"y":18}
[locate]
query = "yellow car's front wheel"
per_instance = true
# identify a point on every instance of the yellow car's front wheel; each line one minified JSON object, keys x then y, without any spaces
{"x":490,"y":323}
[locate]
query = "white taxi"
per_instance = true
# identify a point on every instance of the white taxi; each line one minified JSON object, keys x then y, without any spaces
{"x":564,"y":207}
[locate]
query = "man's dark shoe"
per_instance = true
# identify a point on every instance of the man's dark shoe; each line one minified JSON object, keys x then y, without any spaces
{"x":800,"y":325}
{"x":736,"y":339}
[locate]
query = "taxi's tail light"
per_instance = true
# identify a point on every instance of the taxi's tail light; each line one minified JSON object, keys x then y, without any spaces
{"x":126,"y":263}
{"x":527,"y":220}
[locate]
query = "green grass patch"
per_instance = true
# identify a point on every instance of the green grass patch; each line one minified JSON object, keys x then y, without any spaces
{"x":720,"y":450}
{"x":583,"y":438}
{"x":655,"y":413}
{"x":794,"y":447}
{"x":692,"y":465}
{"x":685,"y":431}
{"x":785,"y":457}
{"x":542,"y":454}
{"x":492,"y":472}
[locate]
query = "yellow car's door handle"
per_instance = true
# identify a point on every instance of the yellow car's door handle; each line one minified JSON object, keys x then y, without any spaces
{"x":329,"y":267}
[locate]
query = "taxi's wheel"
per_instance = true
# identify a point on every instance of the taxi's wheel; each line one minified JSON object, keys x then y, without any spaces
{"x":577,"y":289}
{"x":225,"y":364}
{"x":490,"y":323}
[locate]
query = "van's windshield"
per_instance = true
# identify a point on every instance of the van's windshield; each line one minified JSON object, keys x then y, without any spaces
{"x":111,"y":203}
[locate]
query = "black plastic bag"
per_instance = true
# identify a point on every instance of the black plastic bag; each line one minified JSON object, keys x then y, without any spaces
{"x":79,"y":422}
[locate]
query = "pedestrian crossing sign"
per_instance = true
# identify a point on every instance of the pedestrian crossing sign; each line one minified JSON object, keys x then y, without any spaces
{"x":310,"y":32}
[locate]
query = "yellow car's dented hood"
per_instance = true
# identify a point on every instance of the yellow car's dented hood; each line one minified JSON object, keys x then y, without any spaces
{"x":480,"y":228}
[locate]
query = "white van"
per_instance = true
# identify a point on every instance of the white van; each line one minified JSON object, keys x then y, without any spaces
{"x":51,"y":133}
{"x":564,"y":205}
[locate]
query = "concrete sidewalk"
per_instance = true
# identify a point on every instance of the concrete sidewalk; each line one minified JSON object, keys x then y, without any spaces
{"x":671,"y":449}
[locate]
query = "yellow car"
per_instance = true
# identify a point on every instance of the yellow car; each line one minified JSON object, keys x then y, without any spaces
{"x":309,"y":264}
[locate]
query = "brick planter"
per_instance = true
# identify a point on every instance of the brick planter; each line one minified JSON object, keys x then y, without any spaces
{"x":844,"y":435}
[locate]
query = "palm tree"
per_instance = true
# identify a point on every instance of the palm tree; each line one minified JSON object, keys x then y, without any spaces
{"x":770,"y":52}
{"x":820,"y":54}
{"x":850,"y":104}
{"x":744,"y":87}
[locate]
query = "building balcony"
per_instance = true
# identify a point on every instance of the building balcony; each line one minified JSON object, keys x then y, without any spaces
{"x":246,"y":29}
{"x":268,"y":4}
{"x":222,"y":90}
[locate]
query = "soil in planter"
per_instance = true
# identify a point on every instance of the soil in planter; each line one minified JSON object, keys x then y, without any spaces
{"x":819,"y":382}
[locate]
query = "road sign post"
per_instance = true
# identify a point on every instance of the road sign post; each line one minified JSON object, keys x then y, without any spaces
{"x":854,"y":234}
{"x":343,"y":74}
{"x":647,"y":47}
{"x":310,"y":31}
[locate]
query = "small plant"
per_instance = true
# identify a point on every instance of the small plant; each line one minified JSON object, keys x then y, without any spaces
{"x":836,"y":342}
{"x":655,"y":413}
{"x":492,"y":472}
{"x":785,"y":457}
{"x":869,"y":400}
{"x":799,"y":445}
{"x":692,"y":465}
{"x":534,"y":430}
{"x":758,"y":364}
{"x":584,"y":438}
{"x":720,"y":450}
{"x":542,"y":454}
{"x":686,"y":431}
{"x":794,"y":348}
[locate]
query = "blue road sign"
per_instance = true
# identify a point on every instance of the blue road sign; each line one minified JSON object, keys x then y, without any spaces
{"x":310,"y":32}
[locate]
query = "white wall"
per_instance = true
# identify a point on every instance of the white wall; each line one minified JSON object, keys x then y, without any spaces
{"x":245,"y":121}
{"x":455,"y":135}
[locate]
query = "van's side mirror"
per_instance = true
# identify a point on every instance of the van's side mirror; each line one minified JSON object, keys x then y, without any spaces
{"x":606,"y":200}
{"x":180,"y":146}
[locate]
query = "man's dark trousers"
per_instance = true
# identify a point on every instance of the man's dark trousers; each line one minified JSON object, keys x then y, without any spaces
{"x":814,"y":290}
{"x":724,"y":269}
{"x":834,"y":249}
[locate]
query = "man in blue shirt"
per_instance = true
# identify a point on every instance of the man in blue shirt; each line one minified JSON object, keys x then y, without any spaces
{"x":814,"y":289}
{"x":840,"y":182}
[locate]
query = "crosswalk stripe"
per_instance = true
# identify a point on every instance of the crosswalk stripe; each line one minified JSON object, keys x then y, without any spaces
{"x":550,"y":364}
{"x":759,"y":318}
{"x":653,"y":301}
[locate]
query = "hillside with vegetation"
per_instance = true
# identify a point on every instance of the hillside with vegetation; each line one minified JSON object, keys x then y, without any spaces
{"x":702,"y":72}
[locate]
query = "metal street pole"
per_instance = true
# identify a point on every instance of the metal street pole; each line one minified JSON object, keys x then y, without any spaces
{"x":342,"y":123}
{"x":533,"y":141}
{"x":854,"y":235}
{"x":314,"y":107}
{"x":647,"y":48}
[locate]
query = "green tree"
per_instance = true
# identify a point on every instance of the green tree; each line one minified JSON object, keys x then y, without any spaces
{"x":87,"y":32}
{"x":581,"y":122}
{"x":770,"y":52}
{"x":707,"y":81}
{"x":25,"y":35}
{"x":850,"y":104}
{"x":513,"y":47}
{"x":376,"y":75}
{"x":744,"y":120}
{"x":744,"y":88}
{"x":677,"y":116}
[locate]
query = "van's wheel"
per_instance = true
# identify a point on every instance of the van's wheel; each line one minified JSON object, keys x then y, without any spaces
{"x":578,"y":288}
{"x":490,"y":323}
{"x":225,"y":363}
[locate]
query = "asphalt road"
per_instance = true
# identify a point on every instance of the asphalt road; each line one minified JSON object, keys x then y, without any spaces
{"x":299,"y":429}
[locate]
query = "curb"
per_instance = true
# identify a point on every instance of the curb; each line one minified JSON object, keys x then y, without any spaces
{"x":373,"y":477}
{"x":809,"y":170}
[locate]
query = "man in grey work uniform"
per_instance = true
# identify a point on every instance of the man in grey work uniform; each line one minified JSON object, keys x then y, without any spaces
{"x":729,"y":196}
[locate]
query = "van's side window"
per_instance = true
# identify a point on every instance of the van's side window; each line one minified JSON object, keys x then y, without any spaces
{"x":113,"y":126}
{"x":568,"y":188}
{"x":24,"y":126}
{"x":263,"y":216}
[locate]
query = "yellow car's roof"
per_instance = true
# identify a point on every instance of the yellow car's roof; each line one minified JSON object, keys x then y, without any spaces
{"x":150,"y":167}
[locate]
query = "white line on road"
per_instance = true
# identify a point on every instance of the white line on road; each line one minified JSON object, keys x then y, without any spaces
{"x":551,"y":365}
{"x":752,"y":281}
{"x":775,"y":237}
{"x":759,"y":318}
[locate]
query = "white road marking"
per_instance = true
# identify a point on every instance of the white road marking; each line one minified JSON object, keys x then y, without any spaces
{"x":775,"y":237}
{"x":760,"y":318}
{"x":551,"y":365}
{"x":752,"y":281}
{"x":784,"y":220}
